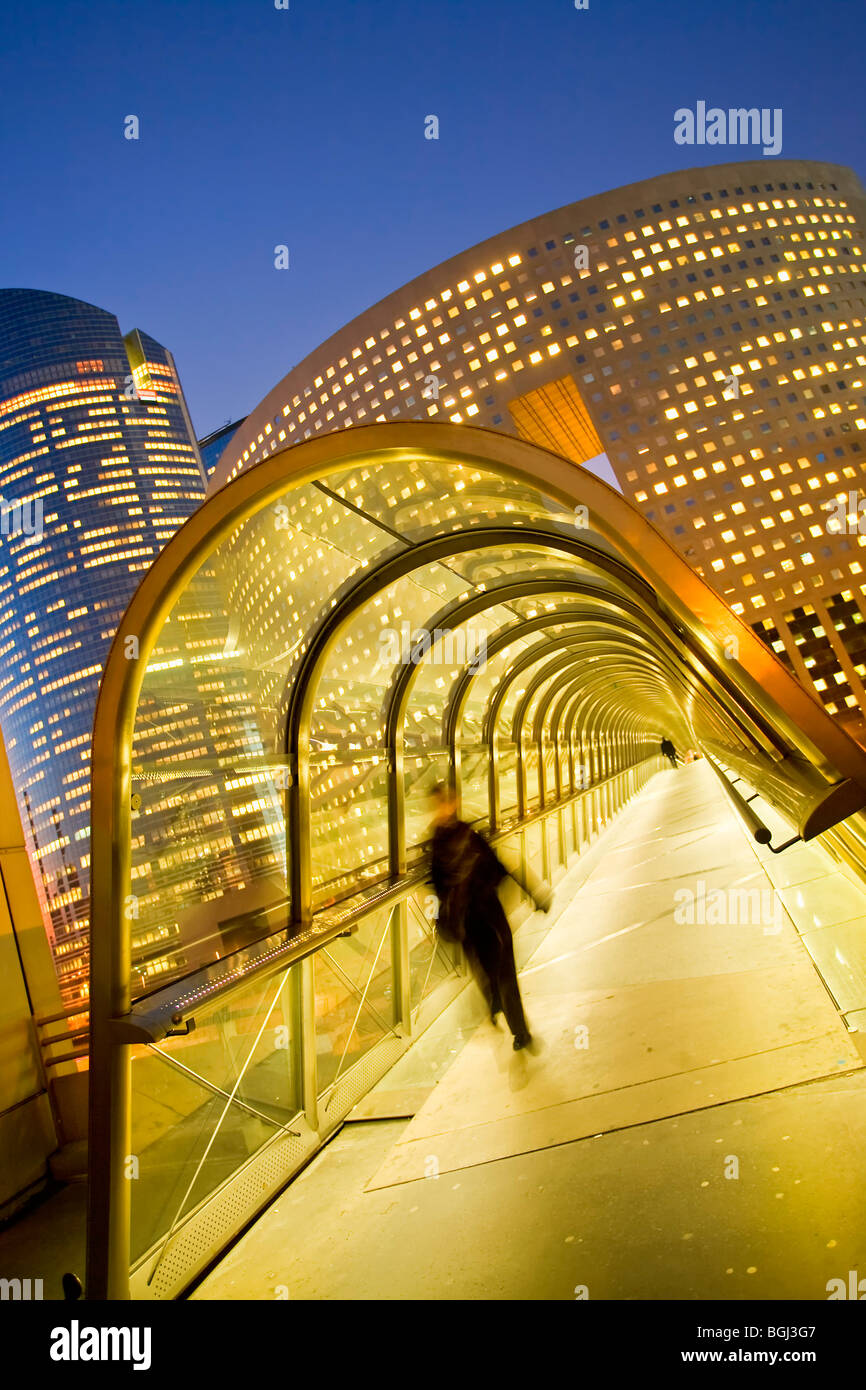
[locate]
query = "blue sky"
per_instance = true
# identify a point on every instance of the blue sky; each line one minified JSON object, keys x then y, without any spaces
{"x":305,"y":127}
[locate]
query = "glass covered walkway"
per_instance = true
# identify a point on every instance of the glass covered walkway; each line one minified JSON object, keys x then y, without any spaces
{"x":325,"y":638}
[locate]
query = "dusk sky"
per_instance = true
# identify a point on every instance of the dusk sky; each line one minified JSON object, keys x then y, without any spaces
{"x":305,"y":127}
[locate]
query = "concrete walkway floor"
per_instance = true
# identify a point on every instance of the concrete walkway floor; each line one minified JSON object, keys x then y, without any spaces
{"x":690,"y":1123}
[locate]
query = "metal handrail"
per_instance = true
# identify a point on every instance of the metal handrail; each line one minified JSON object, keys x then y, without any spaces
{"x":756,"y":827}
{"x":70,"y":1011}
{"x":67,"y":1037}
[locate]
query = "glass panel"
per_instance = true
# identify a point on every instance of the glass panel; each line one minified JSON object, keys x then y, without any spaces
{"x":568,"y":822}
{"x":349,"y":821}
{"x":552,"y":828}
{"x":475,"y":784}
{"x":530,"y":775}
{"x":421,"y":773}
{"x":463,"y":647}
{"x":346,"y":1027}
{"x":549,"y":771}
{"x":533,"y":848}
{"x":430,"y":960}
{"x":507,"y":768}
{"x":351,"y":697}
{"x":419,"y":496}
{"x":208,"y":846}
{"x":209,"y":836}
{"x":187,"y":1135}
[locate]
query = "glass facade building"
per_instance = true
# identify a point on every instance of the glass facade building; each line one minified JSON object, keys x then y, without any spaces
{"x":706,"y":331}
{"x":98,"y":468}
{"x":212,"y":446}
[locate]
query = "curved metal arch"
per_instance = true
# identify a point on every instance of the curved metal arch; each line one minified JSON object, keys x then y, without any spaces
{"x":584,"y":686}
{"x":626,"y":656}
{"x":521,"y":709}
{"x":576,"y":708}
{"x":664,"y":685}
{"x":624,"y":652}
{"x":447,"y":619}
{"x":585,"y":683}
{"x":707,"y":688}
{"x":673,"y":675}
{"x":530,"y":658}
{"x":573,"y":621}
{"x":460,"y":690}
{"x":702,"y":686}
{"x":553,"y":703}
{"x":621,"y":742}
{"x":500,"y":693}
{"x":556,"y":738}
{"x":560,"y":693}
{"x":360,"y":590}
{"x":491,"y":717}
{"x":571,"y":715}
{"x":557,"y":741}
{"x":397,"y":857}
{"x":592,"y":708}
{"x":567,"y":664}
{"x":813,"y":731}
{"x":490,"y":731}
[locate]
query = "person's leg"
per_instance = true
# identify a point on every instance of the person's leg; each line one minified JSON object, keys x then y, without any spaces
{"x":483,"y":979}
{"x":508,"y":987}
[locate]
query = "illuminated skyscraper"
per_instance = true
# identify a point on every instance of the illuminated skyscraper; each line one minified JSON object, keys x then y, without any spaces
{"x":706,"y":331}
{"x":98,"y":468}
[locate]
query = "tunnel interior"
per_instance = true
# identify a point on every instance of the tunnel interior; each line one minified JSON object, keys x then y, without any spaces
{"x":338,"y":629}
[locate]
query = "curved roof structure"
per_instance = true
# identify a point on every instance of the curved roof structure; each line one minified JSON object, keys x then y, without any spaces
{"x":331,"y":633}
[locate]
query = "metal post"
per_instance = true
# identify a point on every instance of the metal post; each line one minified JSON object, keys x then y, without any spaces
{"x":401,"y":990}
{"x":303,"y":984}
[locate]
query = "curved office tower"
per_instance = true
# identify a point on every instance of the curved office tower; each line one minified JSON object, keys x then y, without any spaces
{"x":98,"y":468}
{"x":706,"y":331}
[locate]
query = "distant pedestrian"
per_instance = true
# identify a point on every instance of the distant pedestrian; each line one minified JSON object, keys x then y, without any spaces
{"x":465,"y":873}
{"x":669,"y":751}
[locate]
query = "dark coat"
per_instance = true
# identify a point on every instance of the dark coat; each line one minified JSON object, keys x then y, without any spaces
{"x":465,"y":873}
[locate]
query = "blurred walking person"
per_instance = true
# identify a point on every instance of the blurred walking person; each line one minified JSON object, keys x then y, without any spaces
{"x":669,"y":751}
{"x":465,"y":873}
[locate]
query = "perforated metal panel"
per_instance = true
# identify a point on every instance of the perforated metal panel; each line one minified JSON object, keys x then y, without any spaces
{"x":209,"y":1229}
{"x":358,"y":1079}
